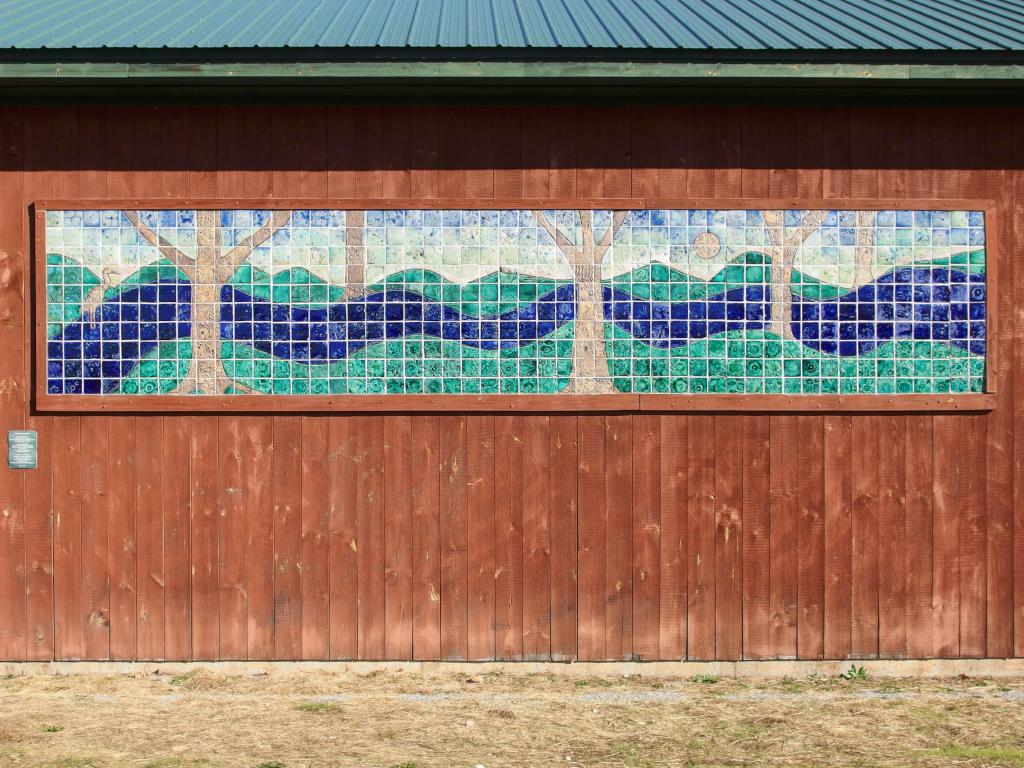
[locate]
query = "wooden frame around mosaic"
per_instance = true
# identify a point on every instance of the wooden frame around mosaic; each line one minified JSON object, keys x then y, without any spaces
{"x":619,"y":402}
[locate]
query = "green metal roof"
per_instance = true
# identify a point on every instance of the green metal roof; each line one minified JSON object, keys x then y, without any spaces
{"x":545,"y":25}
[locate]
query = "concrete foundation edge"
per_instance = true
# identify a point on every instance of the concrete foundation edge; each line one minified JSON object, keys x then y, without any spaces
{"x":744,"y":669}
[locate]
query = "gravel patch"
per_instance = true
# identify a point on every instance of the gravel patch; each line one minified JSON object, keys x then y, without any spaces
{"x":873,"y":694}
{"x":632,"y":697}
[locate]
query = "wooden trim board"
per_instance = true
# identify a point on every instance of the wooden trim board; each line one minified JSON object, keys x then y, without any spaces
{"x":624,"y":402}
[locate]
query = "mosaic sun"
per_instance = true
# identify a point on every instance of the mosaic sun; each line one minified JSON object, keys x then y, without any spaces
{"x":514,"y":301}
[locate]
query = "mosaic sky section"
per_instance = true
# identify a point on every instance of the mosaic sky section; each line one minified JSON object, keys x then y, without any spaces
{"x":514,"y":301}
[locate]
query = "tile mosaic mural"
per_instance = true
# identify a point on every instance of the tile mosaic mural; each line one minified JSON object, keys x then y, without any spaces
{"x":514,"y":301}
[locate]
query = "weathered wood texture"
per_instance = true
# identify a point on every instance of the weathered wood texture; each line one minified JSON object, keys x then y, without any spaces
{"x":475,"y":535}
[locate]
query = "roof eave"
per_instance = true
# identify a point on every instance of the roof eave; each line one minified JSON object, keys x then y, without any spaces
{"x":72,"y":71}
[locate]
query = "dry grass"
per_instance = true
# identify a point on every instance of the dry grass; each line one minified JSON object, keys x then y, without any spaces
{"x":405,"y":720}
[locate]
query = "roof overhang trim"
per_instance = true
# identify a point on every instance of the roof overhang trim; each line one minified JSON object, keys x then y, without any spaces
{"x":509,"y":71}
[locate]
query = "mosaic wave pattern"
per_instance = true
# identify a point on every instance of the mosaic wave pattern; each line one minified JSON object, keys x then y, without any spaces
{"x":514,"y":301}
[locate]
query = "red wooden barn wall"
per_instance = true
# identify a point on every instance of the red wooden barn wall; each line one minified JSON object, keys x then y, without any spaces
{"x":456,"y":536}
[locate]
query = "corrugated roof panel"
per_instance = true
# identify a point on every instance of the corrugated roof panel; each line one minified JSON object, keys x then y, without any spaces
{"x":727,"y":25}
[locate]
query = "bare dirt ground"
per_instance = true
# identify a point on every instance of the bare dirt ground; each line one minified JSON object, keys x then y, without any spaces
{"x":416,"y":720}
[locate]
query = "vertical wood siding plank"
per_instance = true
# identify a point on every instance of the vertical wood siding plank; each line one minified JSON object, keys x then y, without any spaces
{"x":231,"y":535}
{"x":15,"y":389}
{"x":671,"y":138}
{"x":96,"y":559}
{"x":67,"y":538}
{"x":784,"y":477}
{"x":370,"y":535}
{"x":282,"y":130}
{"x":948,"y":460}
{"x":227,"y":174}
{"x":535,"y":477}
{"x":564,"y":160}
{"x":121,"y":480}
{"x":618,"y":160}
{"x":727,"y":501}
{"x":315,"y":541}
{"x":398,"y":536}
{"x":781,"y":126}
{"x":287,"y":494}
{"x":564,"y":458}
{"x":619,"y":538}
{"x":39,"y":485}
{"x":510,"y":158}
{"x":757,"y":612}
{"x":423,"y":178}
{"x":864,"y":539}
{"x":647,"y":529}
{"x":700,"y":153}
{"x":150,"y":573}
{"x":313,"y":153}
{"x":396,"y":180}
{"x":836,"y":173}
{"x":344,"y":567}
{"x":898,"y":154}
{"x":508,"y":538}
{"x":175,"y":453}
{"x":426,"y":547}
{"x":454,"y":540}
{"x":646,"y":134}
{"x":592,"y":536}
{"x":258,"y":451}
{"x":39,"y":547}
{"x":973,"y":597}
{"x":342,"y":157}
{"x":918,"y":536}
{"x":480,"y":564}
{"x":838,"y":448}
{"x":700,"y":506}
{"x":810,"y":183}
{"x":892,"y":573}
{"x":729,"y":525}
{"x":975,"y":469}
{"x":1017,"y":365}
{"x":452,"y":154}
{"x":728,"y":154}
{"x":171,"y":153}
{"x":673,"y":555}
{"x":480,"y":160}
{"x":534,"y":154}
{"x":948,"y":446}
{"x":811,"y":538}
{"x":863,"y":152}
{"x":998,"y":144}
{"x":261,"y":136}
{"x":757,"y":553}
{"x":205,"y":597}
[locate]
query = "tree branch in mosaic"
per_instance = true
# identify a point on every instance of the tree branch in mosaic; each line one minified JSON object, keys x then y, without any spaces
{"x":590,"y":372}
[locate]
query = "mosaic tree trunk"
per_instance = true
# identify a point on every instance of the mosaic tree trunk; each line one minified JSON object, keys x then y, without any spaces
{"x":355,"y":262}
{"x":590,"y":374}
